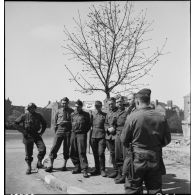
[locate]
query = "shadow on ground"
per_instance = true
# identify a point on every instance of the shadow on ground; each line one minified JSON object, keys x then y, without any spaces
{"x":171,"y":184}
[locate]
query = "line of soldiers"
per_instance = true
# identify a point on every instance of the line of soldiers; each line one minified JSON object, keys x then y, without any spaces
{"x":133,"y":136}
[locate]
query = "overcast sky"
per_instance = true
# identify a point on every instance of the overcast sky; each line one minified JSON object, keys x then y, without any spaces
{"x":34,"y":63}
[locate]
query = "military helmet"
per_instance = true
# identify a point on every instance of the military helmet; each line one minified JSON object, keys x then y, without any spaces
{"x":31,"y":105}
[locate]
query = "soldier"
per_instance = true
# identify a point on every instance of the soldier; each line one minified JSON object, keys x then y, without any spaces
{"x":78,"y":142}
{"x":131,"y":101}
{"x":146,"y":131}
{"x":97,"y":139}
{"x":110,"y":127}
{"x":119,"y":148}
{"x":125,"y":168}
{"x":34,"y":126}
{"x":62,"y":127}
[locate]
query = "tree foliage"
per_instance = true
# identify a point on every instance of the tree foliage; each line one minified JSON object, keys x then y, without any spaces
{"x":112,"y":48}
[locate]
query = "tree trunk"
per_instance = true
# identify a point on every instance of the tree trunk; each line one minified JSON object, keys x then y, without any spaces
{"x":107,"y":95}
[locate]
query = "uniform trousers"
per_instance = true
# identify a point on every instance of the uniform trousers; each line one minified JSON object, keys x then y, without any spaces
{"x":98,"y":146}
{"x":144,"y":168}
{"x":29,"y":141}
{"x":119,"y":151}
{"x":58,"y":139}
{"x":78,"y":147}
{"x":110,"y":143}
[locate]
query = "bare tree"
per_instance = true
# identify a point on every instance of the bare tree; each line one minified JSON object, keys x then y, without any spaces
{"x":112,"y":48}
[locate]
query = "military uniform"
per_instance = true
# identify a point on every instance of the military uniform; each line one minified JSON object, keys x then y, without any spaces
{"x":62,"y":132}
{"x":119,"y":148}
{"x":147,"y":131}
{"x":126,"y":160}
{"x":110,"y":138}
{"x":78,"y":142}
{"x":98,"y":142}
{"x":32,"y":122}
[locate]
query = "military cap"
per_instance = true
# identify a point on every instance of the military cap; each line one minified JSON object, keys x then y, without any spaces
{"x":31,"y":105}
{"x":98,"y":103}
{"x":79,"y":103}
{"x":65,"y":99}
{"x":143,"y":93}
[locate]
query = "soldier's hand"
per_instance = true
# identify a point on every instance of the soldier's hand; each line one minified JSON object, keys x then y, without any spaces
{"x":111,"y":129}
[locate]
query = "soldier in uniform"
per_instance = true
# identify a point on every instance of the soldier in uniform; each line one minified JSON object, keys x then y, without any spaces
{"x":110,"y":127}
{"x":146,"y":131}
{"x":119,"y":148}
{"x":62,"y":127}
{"x":78,"y":142}
{"x":125,"y":168}
{"x":97,"y":139}
{"x":33,"y":126}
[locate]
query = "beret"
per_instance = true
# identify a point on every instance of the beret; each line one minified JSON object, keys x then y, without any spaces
{"x":31,"y":105}
{"x":79,"y":103}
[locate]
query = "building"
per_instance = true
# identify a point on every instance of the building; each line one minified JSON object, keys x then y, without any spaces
{"x":186,"y":123}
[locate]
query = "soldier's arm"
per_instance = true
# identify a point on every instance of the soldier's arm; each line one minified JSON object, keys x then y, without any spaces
{"x":106,"y":124}
{"x":126,"y":134}
{"x":17,"y":122}
{"x":43,"y":124}
{"x":91,"y":124}
{"x":88,"y":122}
{"x":55,"y":122}
{"x":167,"y":134}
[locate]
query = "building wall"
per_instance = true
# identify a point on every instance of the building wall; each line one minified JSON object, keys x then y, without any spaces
{"x":187,"y":106}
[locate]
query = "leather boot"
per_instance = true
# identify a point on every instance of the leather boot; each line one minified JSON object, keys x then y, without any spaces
{"x":76,"y":170}
{"x":119,"y":174}
{"x":95,"y":172}
{"x":28,"y":171}
{"x":50,"y":165}
{"x":114,"y":174}
{"x":103,"y":173}
{"x":63,"y":168}
{"x":120,"y":180}
{"x":39,"y":164}
{"x":85,"y":174}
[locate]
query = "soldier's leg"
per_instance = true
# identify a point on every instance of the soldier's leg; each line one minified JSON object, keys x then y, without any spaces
{"x":53,"y":152}
{"x":74,"y":153}
{"x":82,"y":147}
{"x":66,"y":148}
{"x":118,"y":156}
{"x":94,"y":146}
{"x":134,"y":181}
{"x":153,"y":178}
{"x":101,"y":153}
{"x":111,"y":145}
{"x":28,"y":143}
{"x":41,"y":150}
